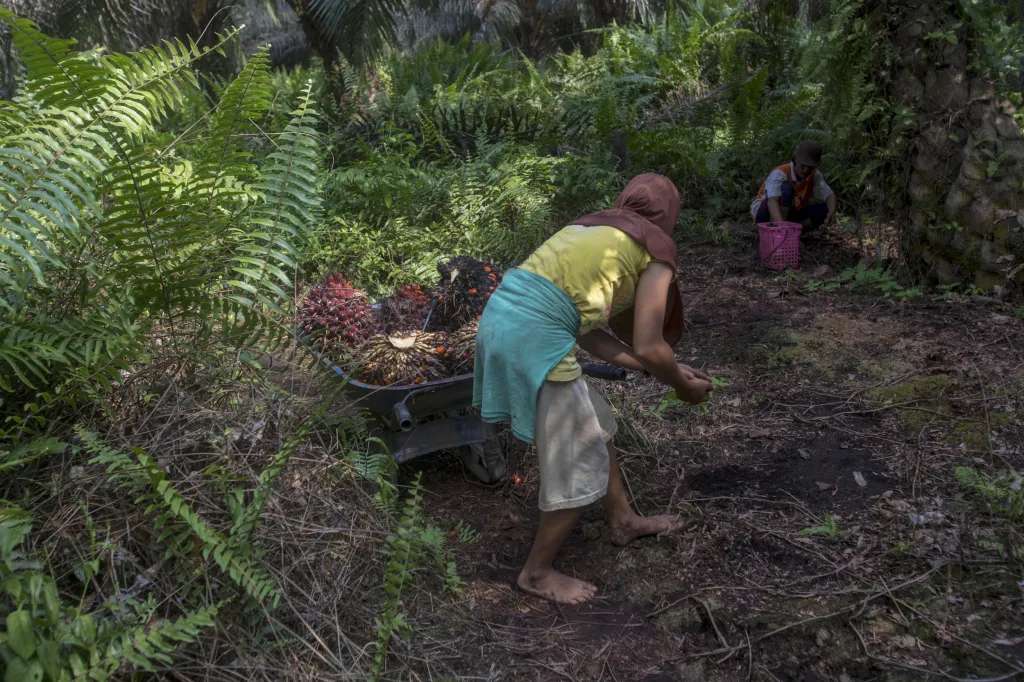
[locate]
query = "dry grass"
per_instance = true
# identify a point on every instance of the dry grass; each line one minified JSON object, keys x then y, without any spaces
{"x":214,"y":428}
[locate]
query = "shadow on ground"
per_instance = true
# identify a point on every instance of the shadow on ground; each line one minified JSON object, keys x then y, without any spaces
{"x":829,"y":538}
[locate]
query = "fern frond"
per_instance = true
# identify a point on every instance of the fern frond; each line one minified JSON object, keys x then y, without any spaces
{"x":145,"y":645}
{"x":243,"y":102}
{"x":243,"y":528}
{"x":402,"y":556}
{"x":283,"y":221}
{"x":140,"y":473}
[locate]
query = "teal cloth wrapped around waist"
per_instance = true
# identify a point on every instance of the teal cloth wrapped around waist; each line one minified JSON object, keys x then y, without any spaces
{"x":528,"y":326}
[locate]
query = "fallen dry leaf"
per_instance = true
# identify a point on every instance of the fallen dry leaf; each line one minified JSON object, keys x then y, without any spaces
{"x":905,"y":641}
{"x":735,"y":402}
{"x":859,"y":477}
{"x":823,"y":486}
{"x":804,"y":454}
{"x":819,"y":271}
{"x":758,"y":433}
{"x":1009,"y":642}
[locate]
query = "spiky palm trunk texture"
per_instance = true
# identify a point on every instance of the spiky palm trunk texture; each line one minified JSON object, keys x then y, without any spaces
{"x":966,"y":207}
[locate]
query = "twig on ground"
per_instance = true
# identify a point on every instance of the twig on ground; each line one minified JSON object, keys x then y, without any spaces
{"x":714,"y":624}
{"x":750,"y":655}
{"x":885,"y":382}
{"x":924,"y":671}
{"x":956,"y":637}
{"x":854,"y":610}
{"x":906,"y":405}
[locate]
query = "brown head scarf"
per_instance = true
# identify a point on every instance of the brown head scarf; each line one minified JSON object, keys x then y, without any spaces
{"x":647,"y":210}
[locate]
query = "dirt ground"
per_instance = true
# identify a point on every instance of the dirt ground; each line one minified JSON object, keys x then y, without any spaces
{"x":844,"y":413}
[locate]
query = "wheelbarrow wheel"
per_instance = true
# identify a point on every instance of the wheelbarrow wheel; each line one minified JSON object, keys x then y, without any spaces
{"x":485,"y":460}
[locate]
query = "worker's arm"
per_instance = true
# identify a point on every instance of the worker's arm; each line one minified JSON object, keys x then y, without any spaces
{"x":775,"y":209}
{"x":649,"y":344}
{"x":604,"y":346}
{"x":832,"y":208}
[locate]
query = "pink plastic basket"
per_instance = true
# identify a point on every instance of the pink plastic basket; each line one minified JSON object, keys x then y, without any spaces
{"x":780,"y":245}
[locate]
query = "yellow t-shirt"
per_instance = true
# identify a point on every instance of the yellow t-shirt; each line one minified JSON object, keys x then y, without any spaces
{"x":598,"y":268}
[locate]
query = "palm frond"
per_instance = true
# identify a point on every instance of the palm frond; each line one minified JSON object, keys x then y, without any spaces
{"x":105,"y":237}
{"x":360,"y":29}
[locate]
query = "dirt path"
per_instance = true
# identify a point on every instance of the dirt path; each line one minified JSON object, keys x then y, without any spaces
{"x":845,"y":414}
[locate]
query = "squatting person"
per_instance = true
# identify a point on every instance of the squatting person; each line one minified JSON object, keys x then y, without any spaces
{"x":616,"y":268}
{"x":796,"y":192}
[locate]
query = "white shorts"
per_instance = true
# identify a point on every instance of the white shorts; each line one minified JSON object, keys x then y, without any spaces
{"x":574,"y":425}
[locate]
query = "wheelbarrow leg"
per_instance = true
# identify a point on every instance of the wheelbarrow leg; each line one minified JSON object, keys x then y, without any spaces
{"x":487,"y":460}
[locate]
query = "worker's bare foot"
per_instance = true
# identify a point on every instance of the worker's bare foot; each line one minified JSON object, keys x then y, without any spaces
{"x":630,"y":528}
{"x":555,"y":586}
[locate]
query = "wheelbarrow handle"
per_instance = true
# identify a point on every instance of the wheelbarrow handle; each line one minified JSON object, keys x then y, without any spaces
{"x":606,"y":372}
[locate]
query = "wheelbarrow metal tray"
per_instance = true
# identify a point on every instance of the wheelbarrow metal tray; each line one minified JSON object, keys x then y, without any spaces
{"x":423,"y":399}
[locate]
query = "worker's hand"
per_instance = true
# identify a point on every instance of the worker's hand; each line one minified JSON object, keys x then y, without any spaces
{"x":831,"y":219}
{"x":696,"y":386}
{"x":691,"y":373}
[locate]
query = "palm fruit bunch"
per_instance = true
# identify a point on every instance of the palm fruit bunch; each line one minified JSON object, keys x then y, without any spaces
{"x":336,"y":315}
{"x":407,"y":308}
{"x":466,"y":284}
{"x":462,"y":348}
{"x":410,"y":357}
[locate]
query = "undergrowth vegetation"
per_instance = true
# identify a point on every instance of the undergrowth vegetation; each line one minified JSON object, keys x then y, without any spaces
{"x":179,"y":488}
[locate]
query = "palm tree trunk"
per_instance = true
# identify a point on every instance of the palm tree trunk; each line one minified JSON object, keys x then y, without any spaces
{"x":320,"y":44}
{"x":964,"y":194}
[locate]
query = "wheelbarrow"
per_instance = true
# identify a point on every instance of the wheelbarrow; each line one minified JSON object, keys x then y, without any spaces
{"x":419,"y":419}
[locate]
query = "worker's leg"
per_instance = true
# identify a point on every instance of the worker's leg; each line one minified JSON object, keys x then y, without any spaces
{"x":626,"y":524}
{"x":812,"y":216}
{"x":573,"y":474}
{"x":538,"y":576}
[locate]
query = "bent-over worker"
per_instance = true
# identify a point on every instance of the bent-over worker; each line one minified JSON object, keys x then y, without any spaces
{"x":617,"y":268}
{"x":796,"y":192}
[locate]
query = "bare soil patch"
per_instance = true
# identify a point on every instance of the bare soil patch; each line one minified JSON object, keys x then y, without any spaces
{"x":854,"y":406}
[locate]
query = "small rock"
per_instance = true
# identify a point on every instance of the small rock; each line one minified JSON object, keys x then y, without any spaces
{"x":822,"y":637}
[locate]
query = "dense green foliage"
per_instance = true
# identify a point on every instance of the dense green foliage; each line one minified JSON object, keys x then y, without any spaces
{"x":116,"y":238}
{"x":463,"y":148}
